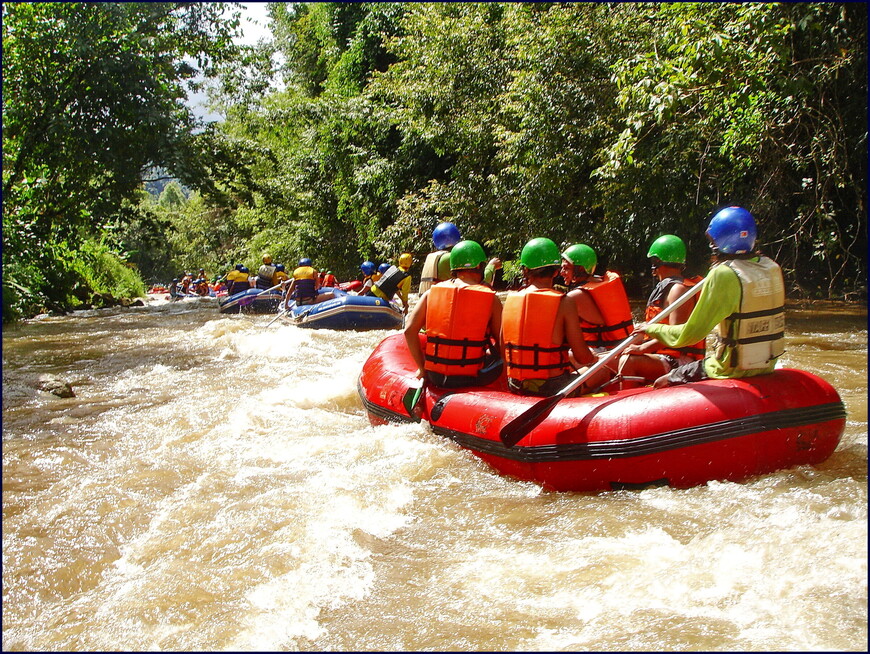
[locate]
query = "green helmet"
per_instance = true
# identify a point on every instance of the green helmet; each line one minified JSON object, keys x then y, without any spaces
{"x":581,"y":254}
{"x":466,"y":254}
{"x":668,"y":248}
{"x":540,"y":252}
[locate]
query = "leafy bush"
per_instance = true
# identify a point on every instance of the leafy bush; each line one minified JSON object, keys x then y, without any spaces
{"x":105,"y":272}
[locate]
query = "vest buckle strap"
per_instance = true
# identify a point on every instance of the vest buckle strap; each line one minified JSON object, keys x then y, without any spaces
{"x":757,"y":314}
{"x":462,"y":342}
{"x":464,"y":361}
{"x":760,"y":339}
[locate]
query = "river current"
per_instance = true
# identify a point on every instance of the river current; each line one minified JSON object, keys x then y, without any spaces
{"x":215,"y":484}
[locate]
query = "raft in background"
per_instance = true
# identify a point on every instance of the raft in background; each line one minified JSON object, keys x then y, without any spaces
{"x":680,"y":436}
{"x":353,"y":285}
{"x":345,"y":311}
{"x":253,"y":300}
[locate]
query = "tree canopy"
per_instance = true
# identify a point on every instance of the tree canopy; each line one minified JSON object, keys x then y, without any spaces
{"x":94,"y":97}
{"x":603,"y":123}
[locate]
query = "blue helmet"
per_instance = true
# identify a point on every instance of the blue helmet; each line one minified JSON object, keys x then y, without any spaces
{"x":384,"y":267}
{"x":367,"y":267}
{"x":733,"y":230}
{"x":446,"y":235}
{"x":239,"y":266}
{"x":305,"y":261}
{"x":280,"y":267}
{"x":244,"y":269}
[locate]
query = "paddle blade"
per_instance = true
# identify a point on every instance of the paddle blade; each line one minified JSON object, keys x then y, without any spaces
{"x":410,"y":400}
{"x":517,"y":429}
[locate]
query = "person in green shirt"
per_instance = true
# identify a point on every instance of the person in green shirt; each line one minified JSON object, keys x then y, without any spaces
{"x":743,"y":299}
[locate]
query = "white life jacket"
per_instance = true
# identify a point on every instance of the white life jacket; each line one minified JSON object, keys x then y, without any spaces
{"x":429,"y":276}
{"x":265,"y":273}
{"x":755,"y":335}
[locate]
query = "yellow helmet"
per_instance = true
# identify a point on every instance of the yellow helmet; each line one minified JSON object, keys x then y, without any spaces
{"x":267,"y":259}
{"x":405,"y":260}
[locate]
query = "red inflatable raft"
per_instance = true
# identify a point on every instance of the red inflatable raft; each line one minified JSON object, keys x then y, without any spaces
{"x":679,"y":436}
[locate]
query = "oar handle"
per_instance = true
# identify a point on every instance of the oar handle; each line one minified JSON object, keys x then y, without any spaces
{"x":616,"y":351}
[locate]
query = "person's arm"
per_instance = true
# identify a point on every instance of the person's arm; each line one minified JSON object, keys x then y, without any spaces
{"x":681,"y":314}
{"x":495,"y":322}
{"x":402,"y":291}
{"x":489,"y":272}
{"x":678,"y":317}
{"x":573,"y":334}
{"x":647,"y":347}
{"x":719,"y":298}
{"x":585,"y":306}
{"x":417,"y":321}
{"x":289,"y":293}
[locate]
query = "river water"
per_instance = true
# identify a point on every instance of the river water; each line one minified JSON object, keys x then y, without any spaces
{"x":216,"y":484}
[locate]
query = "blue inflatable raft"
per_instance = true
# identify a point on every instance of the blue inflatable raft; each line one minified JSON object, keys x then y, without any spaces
{"x":345,"y":311}
{"x":254,"y":300}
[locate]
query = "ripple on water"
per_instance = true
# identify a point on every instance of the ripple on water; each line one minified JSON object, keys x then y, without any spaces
{"x":217,"y":485}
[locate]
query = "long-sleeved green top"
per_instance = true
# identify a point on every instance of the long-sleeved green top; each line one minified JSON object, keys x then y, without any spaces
{"x":719,"y":298}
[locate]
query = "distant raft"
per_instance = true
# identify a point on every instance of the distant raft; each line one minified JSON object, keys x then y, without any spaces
{"x":681,"y":436}
{"x":253,"y":300}
{"x":345,"y":311}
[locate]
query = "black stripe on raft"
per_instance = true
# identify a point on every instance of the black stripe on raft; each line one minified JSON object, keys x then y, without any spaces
{"x":653,"y":444}
{"x":379,"y":411}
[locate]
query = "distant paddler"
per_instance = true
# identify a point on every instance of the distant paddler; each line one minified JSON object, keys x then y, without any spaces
{"x":304,"y":288}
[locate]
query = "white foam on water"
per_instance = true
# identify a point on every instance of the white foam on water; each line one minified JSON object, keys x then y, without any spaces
{"x":216,"y":485}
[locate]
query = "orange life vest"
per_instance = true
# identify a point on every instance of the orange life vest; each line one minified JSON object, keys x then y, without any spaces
{"x":457,"y":321}
{"x":527,"y":326}
{"x":654,"y":307}
{"x":610,"y":298}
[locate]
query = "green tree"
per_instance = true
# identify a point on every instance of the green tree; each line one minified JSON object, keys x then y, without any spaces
{"x":762,"y":105}
{"x":93,"y":96}
{"x":601,"y":123}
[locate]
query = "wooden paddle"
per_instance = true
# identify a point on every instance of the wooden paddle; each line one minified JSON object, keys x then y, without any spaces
{"x":519,"y":427}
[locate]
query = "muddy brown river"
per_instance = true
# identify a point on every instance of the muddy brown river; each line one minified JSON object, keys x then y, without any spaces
{"x":215,"y":484}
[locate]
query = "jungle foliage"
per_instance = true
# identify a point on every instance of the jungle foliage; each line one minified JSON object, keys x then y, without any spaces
{"x":94,"y":97}
{"x":608,"y":124}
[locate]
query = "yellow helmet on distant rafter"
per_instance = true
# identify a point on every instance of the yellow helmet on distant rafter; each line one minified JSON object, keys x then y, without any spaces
{"x":405,"y":260}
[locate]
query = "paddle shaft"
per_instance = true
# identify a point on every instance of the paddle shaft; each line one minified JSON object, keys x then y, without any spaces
{"x":280,"y":313}
{"x":517,"y":428}
{"x":667,"y":311}
{"x":245,"y":301}
{"x":267,"y":290}
{"x":251,"y":297}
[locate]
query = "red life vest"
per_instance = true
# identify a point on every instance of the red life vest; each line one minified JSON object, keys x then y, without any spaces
{"x":654,"y":307}
{"x":609,"y":296}
{"x":457,"y":324}
{"x":527,"y":327}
